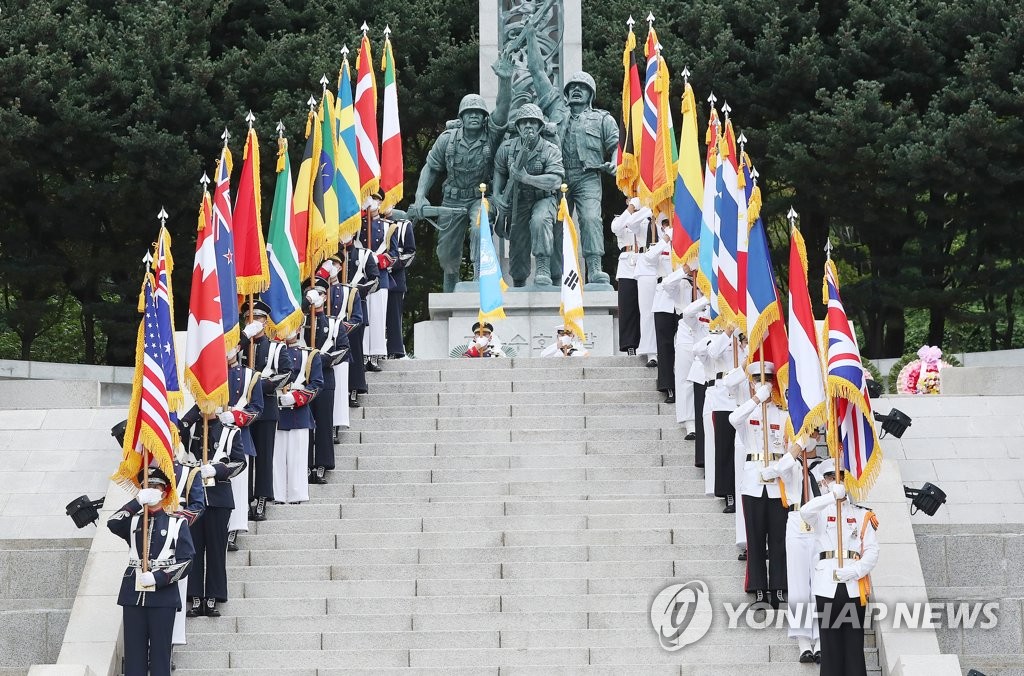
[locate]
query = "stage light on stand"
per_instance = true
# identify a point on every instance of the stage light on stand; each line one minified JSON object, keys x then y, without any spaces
{"x":895,"y":422}
{"x":927,"y":498}
{"x":84,"y":511}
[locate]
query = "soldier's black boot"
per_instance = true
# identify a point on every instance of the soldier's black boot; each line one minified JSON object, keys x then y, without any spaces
{"x":337,"y":435}
{"x":372,"y":365}
{"x":352,"y":402}
{"x":211,"y":608}
{"x":730,"y":504}
{"x":196,"y":609}
{"x":232,"y":544}
{"x":260,"y":512}
{"x":777,"y":599}
{"x":317,"y":475}
{"x":670,"y":396}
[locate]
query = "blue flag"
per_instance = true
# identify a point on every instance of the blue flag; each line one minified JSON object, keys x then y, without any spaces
{"x":491,"y":283}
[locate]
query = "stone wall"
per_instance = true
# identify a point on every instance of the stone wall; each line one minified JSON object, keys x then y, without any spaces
{"x":38,"y":583}
{"x":986,"y":562}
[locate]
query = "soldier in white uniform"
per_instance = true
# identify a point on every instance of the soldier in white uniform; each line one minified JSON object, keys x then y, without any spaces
{"x":719,"y":354}
{"x":838,"y":589}
{"x":679,"y":287}
{"x":760,"y":424}
{"x":646,"y":283}
{"x":666,"y":321}
{"x":697,"y":319}
{"x":800,"y":471}
{"x":630,"y":229}
{"x":567,"y":344}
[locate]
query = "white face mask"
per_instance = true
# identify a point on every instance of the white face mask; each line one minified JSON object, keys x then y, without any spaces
{"x":482,"y":341}
{"x":565,"y":340}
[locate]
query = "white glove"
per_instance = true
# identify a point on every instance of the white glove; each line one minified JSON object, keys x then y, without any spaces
{"x":207,"y":471}
{"x":769,"y":473}
{"x":147,"y":579}
{"x":149,"y":496}
{"x":763,"y":393}
{"x":838,"y":491}
{"x":286,"y":399}
{"x":226,"y":417}
{"x":846,"y":574}
{"x":252,"y":328}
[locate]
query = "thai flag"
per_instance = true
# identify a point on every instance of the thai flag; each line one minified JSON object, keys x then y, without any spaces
{"x":806,"y":396}
{"x":851,"y":425}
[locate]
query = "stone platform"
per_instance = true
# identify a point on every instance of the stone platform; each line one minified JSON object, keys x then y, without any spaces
{"x":529,"y":326}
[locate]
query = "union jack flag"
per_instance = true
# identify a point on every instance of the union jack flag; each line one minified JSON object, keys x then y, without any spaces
{"x":851,"y":432}
{"x":150,"y":434}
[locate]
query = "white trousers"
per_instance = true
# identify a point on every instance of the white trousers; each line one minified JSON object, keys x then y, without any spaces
{"x":375,"y":340}
{"x":291,"y":466}
{"x":645,"y":288}
{"x":239,"y":519}
{"x":684,"y":388}
{"x":341,"y":410}
{"x":800,"y":552}
{"x":178,"y":633}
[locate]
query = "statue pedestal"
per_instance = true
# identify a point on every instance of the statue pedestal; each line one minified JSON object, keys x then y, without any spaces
{"x":529,"y":325}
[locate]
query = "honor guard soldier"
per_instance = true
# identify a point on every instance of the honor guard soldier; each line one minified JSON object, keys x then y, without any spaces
{"x":629,"y":228}
{"x":719,"y":353}
{"x":678,"y":286}
{"x":697,"y":319}
{"x":666,"y":321}
{"x":359,"y":269}
{"x":345,"y":304}
{"x":801,"y":472}
{"x":272,"y":362}
{"x":328,"y":336}
{"x":245,"y":394}
{"x":225,"y":459}
{"x":647,"y":266}
{"x":406,"y":240}
{"x":841,"y":590}
{"x":378,"y":236}
{"x":567,"y":344}
{"x":191,"y":504}
{"x":485,"y":343}
{"x":760,"y":425}
{"x":295,"y":428}
{"x":149,"y":593}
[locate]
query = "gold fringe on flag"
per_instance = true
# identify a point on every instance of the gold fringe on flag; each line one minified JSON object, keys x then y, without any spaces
{"x":572,"y":318}
{"x":255,"y":283}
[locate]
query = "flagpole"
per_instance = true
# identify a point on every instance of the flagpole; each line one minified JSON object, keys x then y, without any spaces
{"x":764,"y":414}
{"x":834,"y":429}
{"x":145,"y":512}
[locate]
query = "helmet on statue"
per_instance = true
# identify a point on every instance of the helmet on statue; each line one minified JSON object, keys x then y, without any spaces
{"x":473,"y":102}
{"x":583,"y":78}
{"x":530,"y":111}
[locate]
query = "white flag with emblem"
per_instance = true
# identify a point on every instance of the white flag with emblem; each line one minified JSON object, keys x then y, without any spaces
{"x":571,"y":307}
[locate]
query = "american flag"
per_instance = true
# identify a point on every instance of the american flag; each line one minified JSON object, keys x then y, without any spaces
{"x":149,"y":426}
{"x":851,"y":425}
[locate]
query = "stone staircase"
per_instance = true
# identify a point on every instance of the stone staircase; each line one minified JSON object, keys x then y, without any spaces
{"x":491,"y":517}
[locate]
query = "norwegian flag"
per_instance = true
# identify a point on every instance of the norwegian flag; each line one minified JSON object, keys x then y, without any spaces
{"x":851,"y":425}
{"x":149,"y":429}
{"x":206,"y":358}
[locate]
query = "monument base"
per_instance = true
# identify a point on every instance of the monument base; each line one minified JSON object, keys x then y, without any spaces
{"x":531,"y":316}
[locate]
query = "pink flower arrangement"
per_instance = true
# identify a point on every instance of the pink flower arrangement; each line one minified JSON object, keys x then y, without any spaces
{"x":922,"y":376}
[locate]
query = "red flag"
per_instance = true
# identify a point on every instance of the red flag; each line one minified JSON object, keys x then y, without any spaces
{"x":250,"y":249}
{"x":366,"y":121}
{"x":206,"y":360}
